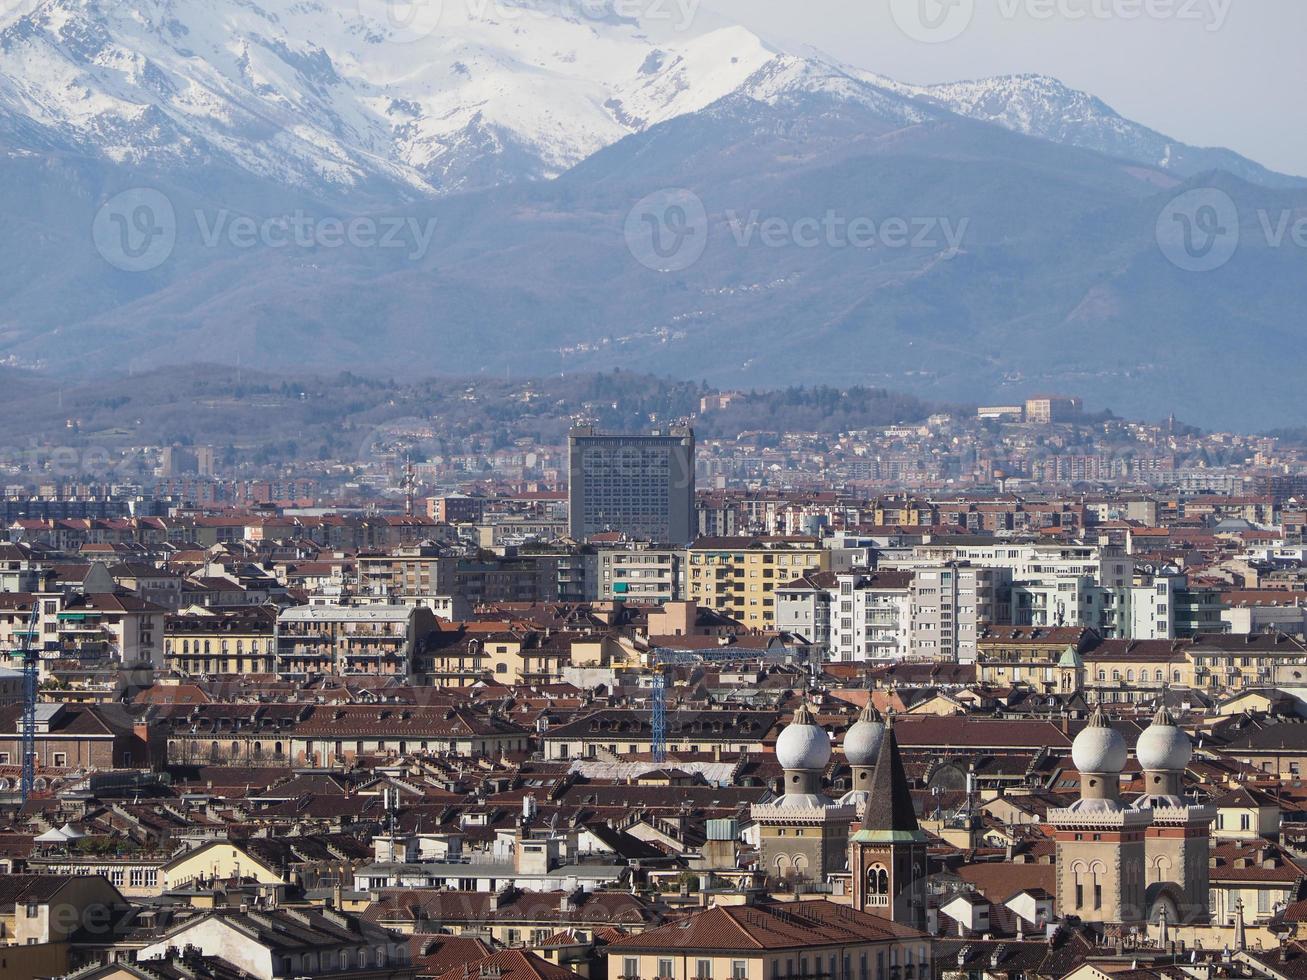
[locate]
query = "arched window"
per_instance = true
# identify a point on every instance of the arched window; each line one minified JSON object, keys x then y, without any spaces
{"x":1129,"y":675}
{"x":877,"y":881}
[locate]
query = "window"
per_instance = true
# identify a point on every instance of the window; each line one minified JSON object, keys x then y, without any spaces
{"x":630,"y":968}
{"x":739,"y":969}
{"x":666,"y":968}
{"x":703,"y":969}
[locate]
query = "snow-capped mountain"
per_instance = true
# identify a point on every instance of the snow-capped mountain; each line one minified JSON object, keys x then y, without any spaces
{"x":1040,"y":106}
{"x":340,"y":91}
{"x":436,"y":95}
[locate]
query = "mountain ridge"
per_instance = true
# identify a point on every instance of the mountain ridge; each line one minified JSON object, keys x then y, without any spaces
{"x":479,"y":100}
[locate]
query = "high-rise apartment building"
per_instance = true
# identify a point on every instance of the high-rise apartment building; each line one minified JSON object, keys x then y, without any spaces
{"x":739,"y":576}
{"x":639,"y":485}
{"x":949,"y":604}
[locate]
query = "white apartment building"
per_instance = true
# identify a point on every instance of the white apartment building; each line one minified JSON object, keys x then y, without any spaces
{"x":862,"y":616}
{"x":949,"y":603}
{"x":871,"y":617}
{"x":1052,"y":584}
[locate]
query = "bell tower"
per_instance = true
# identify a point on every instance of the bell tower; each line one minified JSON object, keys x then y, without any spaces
{"x":1100,"y":841}
{"x":1177,"y":846}
{"x":802,"y":833}
{"x":887,"y":855}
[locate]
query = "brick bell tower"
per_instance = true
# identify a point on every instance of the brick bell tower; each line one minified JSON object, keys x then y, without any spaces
{"x":1100,"y":841}
{"x":887,"y":855}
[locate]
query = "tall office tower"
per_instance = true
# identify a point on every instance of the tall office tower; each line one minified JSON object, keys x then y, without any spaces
{"x":639,"y":485}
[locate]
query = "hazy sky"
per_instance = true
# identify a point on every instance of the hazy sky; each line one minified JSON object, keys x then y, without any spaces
{"x":1206,"y":72}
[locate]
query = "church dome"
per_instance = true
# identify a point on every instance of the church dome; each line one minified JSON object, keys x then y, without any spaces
{"x":1100,"y":747}
{"x":862,"y":740}
{"x":1162,"y":747}
{"x":803,"y":744}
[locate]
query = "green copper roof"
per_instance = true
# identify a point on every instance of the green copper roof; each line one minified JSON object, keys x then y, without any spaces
{"x":1070,"y":658}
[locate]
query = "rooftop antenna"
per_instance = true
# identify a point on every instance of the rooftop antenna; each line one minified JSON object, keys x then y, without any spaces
{"x":408,"y":483}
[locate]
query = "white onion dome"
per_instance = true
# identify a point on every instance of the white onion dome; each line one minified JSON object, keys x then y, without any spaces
{"x":862,"y":740}
{"x":803,"y":744}
{"x":1099,"y":747}
{"x":1162,"y":746}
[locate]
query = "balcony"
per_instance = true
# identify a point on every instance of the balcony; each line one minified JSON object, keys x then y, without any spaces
{"x":303,"y":653}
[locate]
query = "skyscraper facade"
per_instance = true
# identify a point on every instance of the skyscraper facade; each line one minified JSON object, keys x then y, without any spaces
{"x":638,"y":485}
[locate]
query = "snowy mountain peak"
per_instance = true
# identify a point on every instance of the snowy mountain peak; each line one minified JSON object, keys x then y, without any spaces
{"x":346,"y":94}
{"x":338,"y":92}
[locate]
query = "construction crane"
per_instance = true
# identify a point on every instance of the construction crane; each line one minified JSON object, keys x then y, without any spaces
{"x":662,"y":661}
{"x":31,"y":656}
{"x":660,"y":713}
